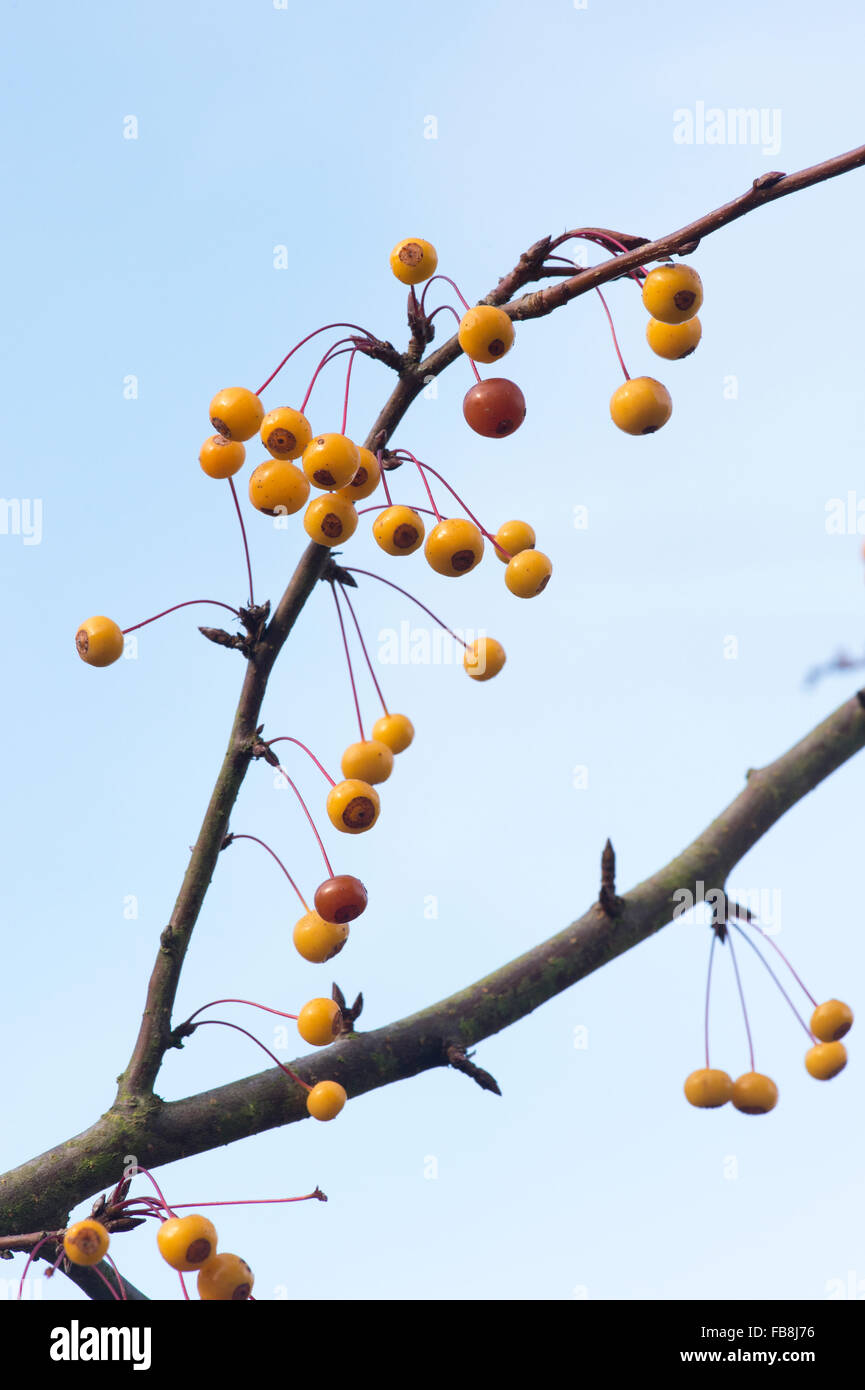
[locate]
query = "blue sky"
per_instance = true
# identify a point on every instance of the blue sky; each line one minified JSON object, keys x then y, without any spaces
{"x":154,"y":258}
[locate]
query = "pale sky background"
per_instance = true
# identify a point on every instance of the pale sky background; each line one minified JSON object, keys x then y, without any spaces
{"x":304,"y":127}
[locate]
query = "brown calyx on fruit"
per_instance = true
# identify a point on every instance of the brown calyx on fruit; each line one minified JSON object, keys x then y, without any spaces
{"x":281,"y":441}
{"x":411,"y":253}
{"x":220,"y":426}
{"x":323,"y":477}
{"x":331,"y":526}
{"x":359,"y":478}
{"x":683,"y":299}
{"x":82,"y":641}
{"x":359,"y":813}
{"x":462,"y":560}
{"x":496,"y":347}
{"x":86,"y":1241}
{"x":405,"y":535}
{"x":198,"y":1251}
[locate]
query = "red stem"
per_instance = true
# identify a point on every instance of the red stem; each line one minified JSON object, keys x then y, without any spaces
{"x":348,"y":659}
{"x":139,"y":1169}
{"x":384,"y":479}
{"x":245,"y":541}
{"x":767,"y":937}
{"x":756,"y":949}
{"x":279,"y":862}
{"x":120,"y":1282}
{"x":742,"y":999}
{"x":314,"y":333}
{"x":406,"y":594}
{"x":287,"y":738}
{"x":309,"y":818}
{"x":454,"y":286}
{"x":30,"y":1258}
{"x":347,"y":384}
{"x":335,"y":350}
{"x":187,"y":604}
{"x":247,"y":1201}
{"x":420,"y":470}
{"x":364,"y":648}
{"x":615,"y":339}
{"x":222,"y":1023}
{"x":489,"y":535}
{"x":251,"y":1002}
{"x":708,"y":990}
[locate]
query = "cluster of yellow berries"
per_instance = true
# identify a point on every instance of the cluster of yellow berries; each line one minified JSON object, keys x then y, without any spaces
{"x":187,"y":1243}
{"x":672,"y":294}
{"x":756,"y":1094}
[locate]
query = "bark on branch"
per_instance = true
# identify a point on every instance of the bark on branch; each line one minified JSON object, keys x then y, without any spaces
{"x":164,"y":1132}
{"x":42,"y":1191}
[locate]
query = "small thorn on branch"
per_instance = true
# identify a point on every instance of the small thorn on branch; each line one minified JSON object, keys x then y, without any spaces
{"x":610,"y":904}
{"x":460,"y":1059}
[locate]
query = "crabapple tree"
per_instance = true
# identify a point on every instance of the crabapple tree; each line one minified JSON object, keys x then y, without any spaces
{"x":338,"y":485}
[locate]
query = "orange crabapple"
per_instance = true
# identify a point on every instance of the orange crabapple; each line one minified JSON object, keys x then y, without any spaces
{"x":640,"y":405}
{"x":277,"y":487}
{"x":285,"y":433}
{"x":454,"y":547}
{"x":318,"y":940}
{"x":366,"y":479}
{"x":353,"y":806}
{"x":318,"y":1022}
{"x":485,"y":333}
{"x":528,"y":573}
{"x":221,"y":458}
{"x":236,"y":413}
{"x":330,"y":519}
{"x":325,"y":1100}
{"x":673,"y":341}
{"x":99,"y":641}
{"x":330,"y":461}
{"x":832,"y":1020}
{"x":484,"y":659}
{"x":413,"y":260}
{"x":396,"y":730}
{"x":673,"y":293}
{"x":398,"y":530}
{"x":369,"y":760}
{"x":185,"y":1242}
{"x":708,"y":1088}
{"x":511,"y":538}
{"x":86,"y":1242}
{"x":825,"y":1060}
{"x":754,"y":1094}
{"x":225,"y":1279}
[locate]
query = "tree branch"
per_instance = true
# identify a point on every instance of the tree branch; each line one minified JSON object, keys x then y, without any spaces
{"x":59,"y":1179}
{"x":43,"y":1190}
